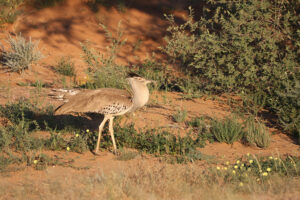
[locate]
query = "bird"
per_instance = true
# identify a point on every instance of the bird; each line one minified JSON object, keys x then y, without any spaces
{"x":110,"y":102}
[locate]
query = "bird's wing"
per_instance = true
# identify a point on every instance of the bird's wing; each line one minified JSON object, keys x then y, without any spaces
{"x":96,"y":101}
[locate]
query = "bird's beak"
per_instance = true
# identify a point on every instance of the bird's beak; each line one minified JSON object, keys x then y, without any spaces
{"x":151,"y":81}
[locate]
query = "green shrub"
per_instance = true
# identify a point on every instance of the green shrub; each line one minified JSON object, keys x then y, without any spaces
{"x":227,"y":130}
{"x":244,"y":47}
{"x":65,"y":67}
{"x":257,"y":134}
{"x":21,"y":55}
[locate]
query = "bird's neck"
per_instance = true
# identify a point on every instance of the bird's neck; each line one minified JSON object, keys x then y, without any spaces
{"x":140,"y":95}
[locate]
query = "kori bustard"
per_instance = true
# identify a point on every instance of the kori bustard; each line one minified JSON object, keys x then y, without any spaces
{"x":109,"y":102}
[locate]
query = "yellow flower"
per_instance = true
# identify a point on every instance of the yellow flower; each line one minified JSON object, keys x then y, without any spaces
{"x":242,"y":165}
{"x":218,"y":168}
{"x":268,"y":169}
{"x":248,"y":154}
{"x":225,"y":168}
{"x":265,"y":174}
{"x":257,"y":179}
{"x":237,"y":162}
{"x":241,"y":184}
{"x":68,"y":148}
{"x":77,"y":135}
{"x":235,"y":166}
{"x":227,"y":163}
{"x":87,"y":130}
{"x":260,"y":171}
{"x":275,"y":158}
{"x":233,"y":171}
{"x":250,"y":161}
{"x":270,"y":157}
{"x":35,"y":162}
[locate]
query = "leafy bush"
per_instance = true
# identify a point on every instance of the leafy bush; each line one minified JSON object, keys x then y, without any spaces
{"x":227,"y":130}
{"x":21,"y":55}
{"x":65,"y":67}
{"x":257,"y":134}
{"x":242,"y":46}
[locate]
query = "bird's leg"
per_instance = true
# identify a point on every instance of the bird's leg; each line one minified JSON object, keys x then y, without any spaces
{"x":100,"y":132}
{"x":111,"y":130}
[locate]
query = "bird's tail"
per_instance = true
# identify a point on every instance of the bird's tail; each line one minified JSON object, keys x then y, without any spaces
{"x":62,"y":94}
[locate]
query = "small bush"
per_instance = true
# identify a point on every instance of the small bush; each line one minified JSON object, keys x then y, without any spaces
{"x":257,"y":134}
{"x":65,"y":67}
{"x":21,"y":55}
{"x":103,"y":70}
{"x":180,"y":116}
{"x":227,"y":130}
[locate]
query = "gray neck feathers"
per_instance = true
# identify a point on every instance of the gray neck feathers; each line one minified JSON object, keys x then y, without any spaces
{"x":140,"y":94}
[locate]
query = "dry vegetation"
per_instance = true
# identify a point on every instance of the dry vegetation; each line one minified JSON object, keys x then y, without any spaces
{"x":222,"y":121}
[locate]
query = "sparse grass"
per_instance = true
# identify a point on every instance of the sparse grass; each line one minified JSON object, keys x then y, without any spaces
{"x":9,"y":11}
{"x":227,"y":130}
{"x":103,"y":70}
{"x":180,"y":116}
{"x":65,"y":67}
{"x":141,"y":180}
{"x":126,"y":154}
{"x":257,"y":133}
{"x":21,"y":55}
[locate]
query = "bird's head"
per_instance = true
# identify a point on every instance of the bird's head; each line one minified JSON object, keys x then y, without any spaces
{"x":135,"y":78}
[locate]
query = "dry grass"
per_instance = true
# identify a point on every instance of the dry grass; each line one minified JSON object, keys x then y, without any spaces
{"x":141,"y":180}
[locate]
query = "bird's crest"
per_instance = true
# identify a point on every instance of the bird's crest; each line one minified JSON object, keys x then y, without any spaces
{"x":132,"y":75}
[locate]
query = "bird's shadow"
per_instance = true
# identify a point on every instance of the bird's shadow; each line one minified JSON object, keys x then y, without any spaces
{"x":89,"y":121}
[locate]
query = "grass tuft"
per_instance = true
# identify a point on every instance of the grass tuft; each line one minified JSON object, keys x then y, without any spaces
{"x":227,"y":130}
{"x":257,"y":134}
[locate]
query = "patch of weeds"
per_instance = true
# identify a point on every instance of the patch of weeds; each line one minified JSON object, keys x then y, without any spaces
{"x":41,"y":161}
{"x":7,"y":160}
{"x":154,"y":141}
{"x":126,"y":155}
{"x":180,"y":116}
{"x":23,"y":108}
{"x":21,"y":55}
{"x":65,"y":67}
{"x":198,"y":122}
{"x":257,"y":133}
{"x":103,"y":70}
{"x":39,"y":84}
{"x":9,"y":11}
{"x":228,"y":130}
{"x":79,"y":142}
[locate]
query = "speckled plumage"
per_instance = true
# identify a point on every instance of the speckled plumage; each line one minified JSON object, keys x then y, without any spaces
{"x":104,"y":101}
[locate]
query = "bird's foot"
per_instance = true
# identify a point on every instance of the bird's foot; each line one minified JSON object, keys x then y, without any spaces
{"x":116,"y":152}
